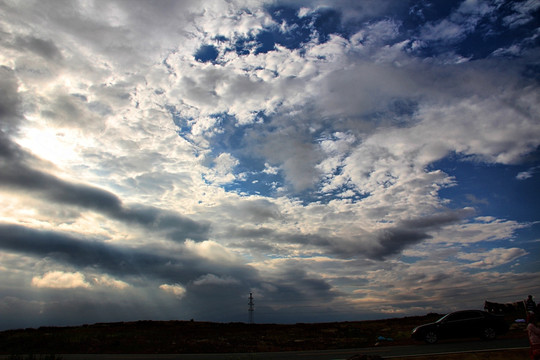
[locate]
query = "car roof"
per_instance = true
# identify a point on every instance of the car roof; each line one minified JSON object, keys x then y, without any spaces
{"x":462,"y":311}
{"x":479,"y":312}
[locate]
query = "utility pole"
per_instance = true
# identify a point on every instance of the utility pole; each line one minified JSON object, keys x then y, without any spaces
{"x":251,"y":308}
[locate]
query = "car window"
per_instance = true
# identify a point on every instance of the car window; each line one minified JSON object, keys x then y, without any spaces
{"x":463,"y":315}
{"x":473,"y":315}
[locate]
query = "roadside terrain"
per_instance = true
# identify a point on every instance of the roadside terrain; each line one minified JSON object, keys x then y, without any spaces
{"x":522,"y":354}
{"x":176,"y":337}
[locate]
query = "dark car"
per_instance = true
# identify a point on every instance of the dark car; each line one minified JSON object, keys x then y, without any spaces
{"x":462,"y":324}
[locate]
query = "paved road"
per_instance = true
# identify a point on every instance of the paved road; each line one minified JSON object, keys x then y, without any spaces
{"x":386,"y":352}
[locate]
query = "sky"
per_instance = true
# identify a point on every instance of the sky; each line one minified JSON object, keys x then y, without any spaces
{"x":340,"y":160}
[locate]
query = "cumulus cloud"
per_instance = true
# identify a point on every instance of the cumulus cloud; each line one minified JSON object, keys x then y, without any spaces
{"x":68,"y":280}
{"x":224,"y":166}
{"x":212,"y":251}
{"x":177,"y":290}
{"x":108,"y":281}
{"x":60,"y":280}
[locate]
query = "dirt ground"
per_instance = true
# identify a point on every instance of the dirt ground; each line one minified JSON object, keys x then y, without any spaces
{"x":191,"y":337}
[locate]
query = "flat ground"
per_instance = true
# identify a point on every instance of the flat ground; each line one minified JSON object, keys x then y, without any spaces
{"x":488,"y":355}
{"x":177,"y":337}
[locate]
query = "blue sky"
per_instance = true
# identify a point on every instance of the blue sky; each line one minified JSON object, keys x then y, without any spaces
{"x":340,"y":160}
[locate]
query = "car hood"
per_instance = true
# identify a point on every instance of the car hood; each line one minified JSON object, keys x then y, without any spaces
{"x":425,"y":326}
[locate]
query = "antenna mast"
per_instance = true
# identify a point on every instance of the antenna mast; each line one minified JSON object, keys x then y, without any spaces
{"x":251,"y":308}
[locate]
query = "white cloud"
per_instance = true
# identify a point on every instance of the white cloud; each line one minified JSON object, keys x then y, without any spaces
{"x":492,"y":258}
{"x":176,"y":289}
{"x":223,"y":170}
{"x":469,"y":127}
{"x":60,"y":280}
{"x":212,"y":251}
{"x":303,"y":12}
{"x":225,"y":163}
{"x":271,"y":170}
{"x":527,"y":174}
{"x":107,"y":281}
{"x":68,"y":280}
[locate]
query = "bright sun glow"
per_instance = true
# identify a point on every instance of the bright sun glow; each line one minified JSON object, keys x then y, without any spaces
{"x":50,"y":144}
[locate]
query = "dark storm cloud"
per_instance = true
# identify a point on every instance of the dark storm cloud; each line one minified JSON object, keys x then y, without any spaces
{"x":175,"y":226}
{"x":437,"y":220}
{"x":290,"y":286}
{"x":67,"y":249}
{"x":297,"y":284}
{"x":16,"y":175}
{"x":392,"y":241}
{"x":9,"y":151}
{"x":377,"y":245}
{"x":250,"y":233}
{"x":44,"y":48}
{"x":120,"y":261}
{"x":257,"y":211}
{"x":9,"y":100}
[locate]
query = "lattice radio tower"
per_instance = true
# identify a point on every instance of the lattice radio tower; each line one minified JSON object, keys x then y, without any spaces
{"x":251,"y":308}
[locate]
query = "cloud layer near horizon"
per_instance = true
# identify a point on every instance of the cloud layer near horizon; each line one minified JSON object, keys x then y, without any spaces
{"x":162,"y":160}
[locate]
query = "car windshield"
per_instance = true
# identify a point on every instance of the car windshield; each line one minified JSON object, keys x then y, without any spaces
{"x":461,"y":315}
{"x":443,"y":318}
